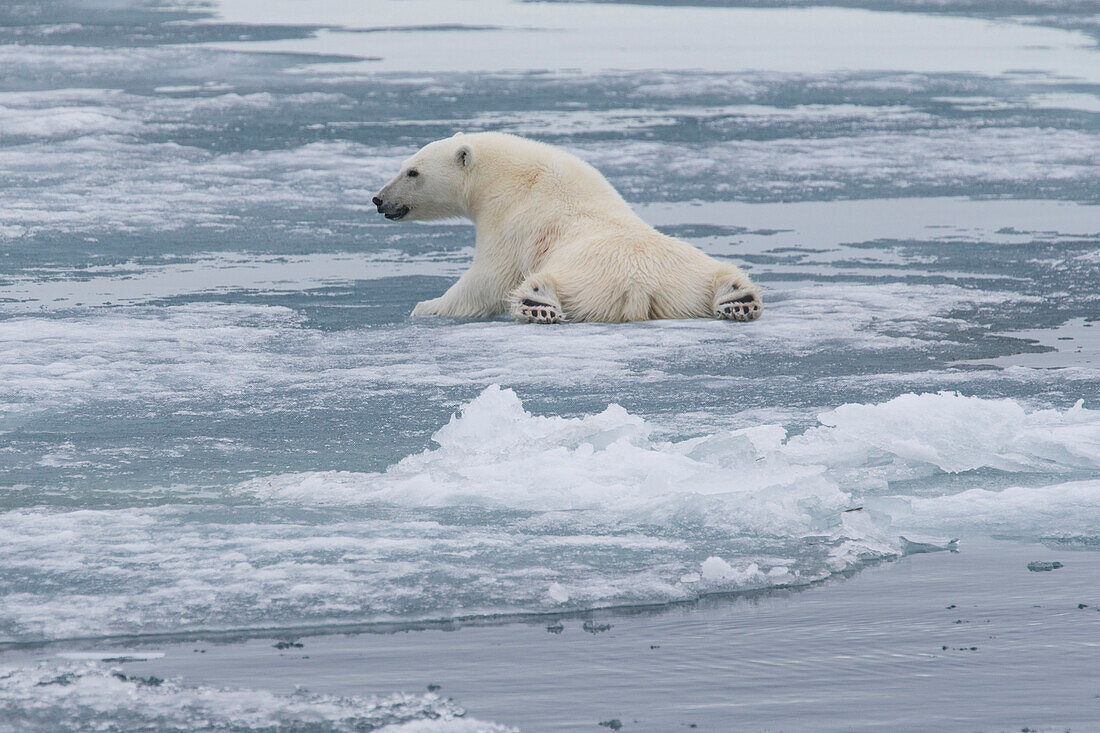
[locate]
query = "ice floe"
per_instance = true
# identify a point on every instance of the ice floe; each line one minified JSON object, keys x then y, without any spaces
{"x":517,"y":512}
{"x":52,"y":697}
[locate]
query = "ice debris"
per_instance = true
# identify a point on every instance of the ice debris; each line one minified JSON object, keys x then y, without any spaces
{"x":558,"y":593}
{"x":1042,"y":566}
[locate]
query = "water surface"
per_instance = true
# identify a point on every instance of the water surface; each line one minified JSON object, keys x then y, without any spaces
{"x":217,"y":414}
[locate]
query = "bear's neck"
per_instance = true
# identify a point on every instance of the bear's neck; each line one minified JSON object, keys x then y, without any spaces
{"x":507,"y":205}
{"x":499,"y":181}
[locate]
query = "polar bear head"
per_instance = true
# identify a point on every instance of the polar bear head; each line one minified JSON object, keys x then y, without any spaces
{"x":431,"y":184}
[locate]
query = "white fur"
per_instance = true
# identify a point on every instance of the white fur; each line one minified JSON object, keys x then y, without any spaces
{"x":552,"y":231}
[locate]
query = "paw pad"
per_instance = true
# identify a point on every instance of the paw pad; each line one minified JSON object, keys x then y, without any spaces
{"x":534,"y":311}
{"x":739,"y":306}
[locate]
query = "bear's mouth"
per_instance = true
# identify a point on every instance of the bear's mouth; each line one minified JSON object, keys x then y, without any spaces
{"x":395,"y":214}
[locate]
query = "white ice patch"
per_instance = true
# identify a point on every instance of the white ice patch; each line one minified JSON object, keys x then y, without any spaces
{"x":50,"y":697}
{"x":931,"y":158}
{"x":80,"y":62}
{"x":558,"y":593}
{"x":126,"y":184}
{"x":65,"y":113}
{"x":955,"y":433}
{"x":84,"y":162}
{"x":547,"y":36}
{"x":717,"y":569}
{"x":516,"y":512}
{"x":181,"y":354}
{"x":497,"y":454}
{"x":129,"y":656}
{"x":1065,"y":510}
{"x":222,"y":272}
{"x":458,"y":725}
{"x":1067,"y":100}
{"x":560,"y":123}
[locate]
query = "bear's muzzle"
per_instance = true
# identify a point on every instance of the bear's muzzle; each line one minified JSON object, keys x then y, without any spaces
{"x":388,"y":210}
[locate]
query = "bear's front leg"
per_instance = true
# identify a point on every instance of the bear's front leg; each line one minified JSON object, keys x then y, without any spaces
{"x":479,"y":293}
{"x":427,"y":307}
{"x":536,"y":301}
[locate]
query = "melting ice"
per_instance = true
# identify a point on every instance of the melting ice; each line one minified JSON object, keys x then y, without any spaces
{"x":216,"y":413}
{"x":84,"y":696}
{"x":516,"y":512}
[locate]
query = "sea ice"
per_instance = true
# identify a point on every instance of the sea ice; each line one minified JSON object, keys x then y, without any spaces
{"x":51,"y":697}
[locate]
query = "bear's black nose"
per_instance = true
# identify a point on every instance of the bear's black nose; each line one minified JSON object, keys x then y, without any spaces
{"x":376,"y":201}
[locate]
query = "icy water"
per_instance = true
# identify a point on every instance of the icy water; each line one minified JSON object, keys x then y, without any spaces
{"x":968,"y":641}
{"x":217,"y":415}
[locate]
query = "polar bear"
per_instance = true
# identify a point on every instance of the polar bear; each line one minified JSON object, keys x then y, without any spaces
{"x":555,"y":242}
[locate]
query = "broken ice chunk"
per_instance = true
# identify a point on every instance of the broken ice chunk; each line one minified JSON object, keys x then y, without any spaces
{"x":1038,"y":567}
{"x":715,"y":568}
{"x":557,"y":593}
{"x":914,"y":545}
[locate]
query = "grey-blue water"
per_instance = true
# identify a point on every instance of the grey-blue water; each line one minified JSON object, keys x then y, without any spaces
{"x":217,"y":416}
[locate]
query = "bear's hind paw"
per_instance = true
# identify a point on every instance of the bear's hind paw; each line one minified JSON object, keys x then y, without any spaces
{"x":534,"y":311}
{"x":740,"y":305}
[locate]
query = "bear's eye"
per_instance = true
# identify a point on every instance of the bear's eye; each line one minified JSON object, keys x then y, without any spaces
{"x":413,"y":173}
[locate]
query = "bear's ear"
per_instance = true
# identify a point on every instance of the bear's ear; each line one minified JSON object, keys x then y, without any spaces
{"x":464,"y":156}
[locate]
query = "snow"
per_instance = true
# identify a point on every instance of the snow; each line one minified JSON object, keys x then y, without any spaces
{"x":74,"y":696}
{"x":588,"y":511}
{"x":715,"y":568}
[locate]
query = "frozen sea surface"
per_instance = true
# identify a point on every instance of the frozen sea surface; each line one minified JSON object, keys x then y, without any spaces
{"x":217,"y":415}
